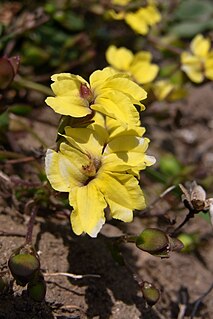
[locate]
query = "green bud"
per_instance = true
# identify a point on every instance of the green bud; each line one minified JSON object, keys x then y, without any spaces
{"x":37,"y":288}
{"x":23,"y":264}
{"x":153,"y":241}
{"x":150,"y":293}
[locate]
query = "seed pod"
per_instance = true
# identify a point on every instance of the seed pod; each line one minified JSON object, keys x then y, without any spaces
{"x":150,"y":293}
{"x":23,"y":264}
{"x":37,"y":288}
{"x":153,"y":241}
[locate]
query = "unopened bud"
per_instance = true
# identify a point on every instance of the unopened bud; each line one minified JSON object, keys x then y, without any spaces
{"x":8,"y":70}
{"x":23,"y":264}
{"x":153,"y":241}
{"x":150,"y":293}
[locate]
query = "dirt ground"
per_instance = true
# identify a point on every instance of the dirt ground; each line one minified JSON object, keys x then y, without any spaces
{"x":114,"y":294}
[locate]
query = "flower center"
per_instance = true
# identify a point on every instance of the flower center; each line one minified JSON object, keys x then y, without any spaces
{"x":86,"y":93}
{"x":91,"y":169}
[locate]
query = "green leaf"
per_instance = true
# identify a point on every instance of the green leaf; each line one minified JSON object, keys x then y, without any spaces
{"x":194,"y":10}
{"x":70,"y":20}
{"x":20,"y":109}
{"x":4,"y":120}
{"x":188,"y":29}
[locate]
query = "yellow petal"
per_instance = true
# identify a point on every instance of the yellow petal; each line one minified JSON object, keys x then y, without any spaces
{"x":116,"y":15}
{"x":69,"y":105}
{"x":200,"y":46}
{"x":126,"y":143}
{"x":88,"y":213}
{"x":115,"y":129}
{"x":120,"y":212}
{"x":67,"y":87}
{"x":118,"y":106}
{"x":125,"y":153}
{"x":209,"y":66}
{"x":138,"y":24}
{"x":68,"y":76}
{"x":162,"y":89}
{"x":122,"y":190}
{"x":128,"y":87}
{"x":119,"y":58}
{"x":134,"y":190}
{"x":142,"y":56}
{"x":86,"y":139}
{"x":62,"y":171}
{"x":98,"y":77}
{"x":192,"y":66}
{"x":144,"y":72}
{"x":152,"y":15}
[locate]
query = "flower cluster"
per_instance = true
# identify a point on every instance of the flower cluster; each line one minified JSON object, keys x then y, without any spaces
{"x":199,"y":63}
{"x":140,"y":20}
{"x":139,"y":65}
{"x":98,"y":161}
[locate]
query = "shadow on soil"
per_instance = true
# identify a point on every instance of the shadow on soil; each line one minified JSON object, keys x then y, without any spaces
{"x":93,"y":256}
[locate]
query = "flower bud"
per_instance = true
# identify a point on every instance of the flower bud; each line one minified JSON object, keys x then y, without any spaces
{"x":37,"y":288}
{"x":8,"y":70}
{"x":150,"y":293}
{"x":153,"y":241}
{"x":23,"y":264}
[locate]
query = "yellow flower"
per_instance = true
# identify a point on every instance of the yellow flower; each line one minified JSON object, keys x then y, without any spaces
{"x":115,"y":15}
{"x":98,"y":175}
{"x":166,"y":90}
{"x":111,"y":93}
{"x":198,"y":64}
{"x":139,"y":65}
{"x":162,"y":89}
{"x":143,"y":18}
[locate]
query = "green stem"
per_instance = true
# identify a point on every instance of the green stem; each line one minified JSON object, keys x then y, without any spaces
{"x":32,"y":85}
{"x":154,"y":40}
{"x":9,"y":154}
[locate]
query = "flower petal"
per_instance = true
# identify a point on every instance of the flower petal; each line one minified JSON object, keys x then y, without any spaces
{"x":122,"y":192}
{"x":126,"y":152}
{"x":162,"y":89}
{"x":117,"y":105}
{"x":209,"y":66}
{"x":69,"y":105}
{"x":62,"y":171}
{"x":142,"y":56}
{"x":136,"y":23}
{"x":200,"y":46}
{"x":128,"y":87}
{"x":144,"y":72}
{"x":88,"y":214}
{"x":86,"y":139}
{"x":98,"y":77}
{"x":119,"y":58}
{"x":192,"y":66}
{"x":115,"y":129}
